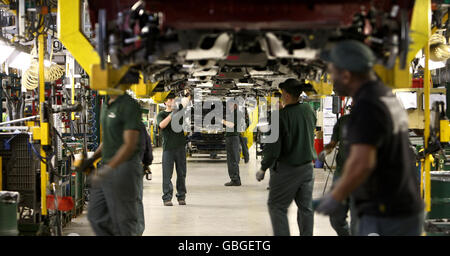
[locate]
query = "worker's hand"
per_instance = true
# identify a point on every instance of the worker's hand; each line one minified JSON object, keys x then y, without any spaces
{"x":176,"y":108}
{"x":260,"y":175}
{"x":327,"y":205}
{"x":322,"y":156}
{"x":147,"y":172}
{"x":86,"y":164}
{"x":98,"y":177}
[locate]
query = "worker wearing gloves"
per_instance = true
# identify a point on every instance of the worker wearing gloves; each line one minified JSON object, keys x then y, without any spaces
{"x":338,"y":219}
{"x":232,"y":145}
{"x":379,"y":171}
{"x":113,"y":204}
{"x":291,"y":157}
{"x":174,"y":151}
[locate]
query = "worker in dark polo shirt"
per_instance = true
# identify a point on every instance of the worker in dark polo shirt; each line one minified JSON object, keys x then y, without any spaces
{"x":174,"y":151}
{"x":379,"y":171}
{"x":232,"y":143}
{"x":290,"y":158}
{"x":114,"y":194}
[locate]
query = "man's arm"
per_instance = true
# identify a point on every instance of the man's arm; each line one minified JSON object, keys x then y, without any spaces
{"x":330,"y":146}
{"x":130,"y":142}
{"x":164,"y":123}
{"x":357,"y":169}
{"x":98,"y":152}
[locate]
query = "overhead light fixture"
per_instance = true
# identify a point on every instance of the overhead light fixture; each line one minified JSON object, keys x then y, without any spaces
{"x":22,"y":61}
{"x":261,"y":124}
{"x":205,"y":85}
{"x":244,"y":84}
{"x":235,"y":91}
{"x":432,"y":64}
{"x":5,"y":52}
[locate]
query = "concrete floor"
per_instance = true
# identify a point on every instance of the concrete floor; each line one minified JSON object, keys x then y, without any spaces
{"x":213,"y":209}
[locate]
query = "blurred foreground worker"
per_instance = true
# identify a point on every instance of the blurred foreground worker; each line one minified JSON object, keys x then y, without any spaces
{"x":379,"y":170}
{"x":146,"y":156}
{"x":174,"y":152}
{"x":338,"y":219}
{"x":114,"y":193}
{"x":291,"y":157}
{"x":232,"y":145}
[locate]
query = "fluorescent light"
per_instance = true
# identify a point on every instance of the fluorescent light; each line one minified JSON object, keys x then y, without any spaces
{"x":262,"y":124}
{"x":22,"y":61}
{"x":5,"y":52}
{"x":436,"y":64}
{"x":205,"y":85}
{"x":244,"y":84}
{"x":432,"y":64}
{"x":235,"y":91}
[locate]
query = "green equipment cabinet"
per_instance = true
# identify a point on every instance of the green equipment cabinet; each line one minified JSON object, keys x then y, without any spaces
{"x":9,"y":201}
{"x":437,"y":222}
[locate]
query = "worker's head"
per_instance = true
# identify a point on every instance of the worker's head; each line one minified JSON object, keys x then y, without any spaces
{"x":349,"y":64}
{"x":170,"y":100}
{"x":290,"y":91}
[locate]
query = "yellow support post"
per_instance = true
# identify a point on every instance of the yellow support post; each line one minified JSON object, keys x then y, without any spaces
{"x":42,"y":123}
{"x":426,"y":87}
{"x":253,"y":122}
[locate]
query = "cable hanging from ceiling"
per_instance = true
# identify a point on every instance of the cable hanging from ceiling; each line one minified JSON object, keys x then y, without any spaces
{"x":30,"y":77}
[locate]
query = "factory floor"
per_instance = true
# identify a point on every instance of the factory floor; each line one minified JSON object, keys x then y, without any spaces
{"x":213,"y":209}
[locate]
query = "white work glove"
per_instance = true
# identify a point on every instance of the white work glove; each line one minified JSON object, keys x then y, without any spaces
{"x":102,"y":172}
{"x":260,"y":175}
{"x":328,"y":205}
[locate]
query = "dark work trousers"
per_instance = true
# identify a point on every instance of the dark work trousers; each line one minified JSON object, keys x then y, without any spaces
{"x":338,"y":219}
{"x":141,"y":219}
{"x":288,"y":183}
{"x":391,"y":226}
{"x":232,"y":146}
{"x":113,"y":205}
{"x":243,"y":141}
{"x":170,"y":158}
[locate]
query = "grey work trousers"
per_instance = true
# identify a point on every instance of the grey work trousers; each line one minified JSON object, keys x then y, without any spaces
{"x":233,"y":154}
{"x":113,"y":205}
{"x":338,"y":219}
{"x":391,"y":226}
{"x":243,"y":141}
{"x":288,"y":183}
{"x":141,"y":216}
{"x":169,"y":158}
